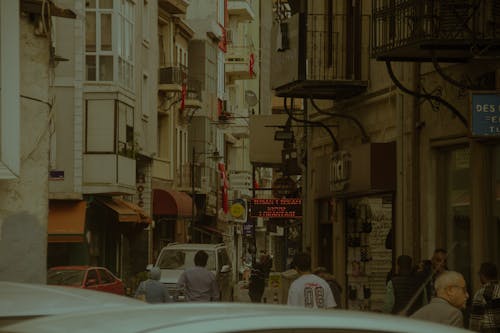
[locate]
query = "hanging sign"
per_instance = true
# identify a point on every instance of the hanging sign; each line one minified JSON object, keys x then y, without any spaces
{"x":276,"y":208}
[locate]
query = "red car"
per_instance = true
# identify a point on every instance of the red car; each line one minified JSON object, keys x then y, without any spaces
{"x":86,"y":277}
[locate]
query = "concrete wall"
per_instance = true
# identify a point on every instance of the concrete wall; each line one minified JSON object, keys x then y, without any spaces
{"x":24,"y":204}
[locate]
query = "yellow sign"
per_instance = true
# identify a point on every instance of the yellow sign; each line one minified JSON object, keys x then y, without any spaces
{"x":237,"y":210}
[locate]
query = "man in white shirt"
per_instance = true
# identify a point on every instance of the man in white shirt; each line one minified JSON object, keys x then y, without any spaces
{"x":309,"y":290}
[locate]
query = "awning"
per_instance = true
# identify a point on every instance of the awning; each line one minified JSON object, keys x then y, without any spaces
{"x":209,"y":230}
{"x":126,"y":211}
{"x":173,"y":203}
{"x":66,"y":221}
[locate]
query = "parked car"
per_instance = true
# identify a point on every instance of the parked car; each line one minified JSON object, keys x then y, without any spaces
{"x":225,"y":318}
{"x":86,"y":277}
{"x":176,"y":257}
{"x":22,"y":301}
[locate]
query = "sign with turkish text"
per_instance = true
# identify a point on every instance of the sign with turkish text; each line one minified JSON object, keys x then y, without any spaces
{"x":485,"y":114}
{"x":276,"y":208}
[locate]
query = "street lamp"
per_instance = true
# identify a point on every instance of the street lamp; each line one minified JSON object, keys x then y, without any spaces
{"x":213,"y":156}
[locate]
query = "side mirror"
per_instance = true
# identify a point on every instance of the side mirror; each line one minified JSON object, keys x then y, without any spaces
{"x":225,"y":269}
{"x":91,"y":282}
{"x":149,"y":267}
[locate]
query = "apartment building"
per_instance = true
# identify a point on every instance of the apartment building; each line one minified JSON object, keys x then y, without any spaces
{"x":179,"y":97}
{"x":392,"y":152}
{"x":104,"y":137}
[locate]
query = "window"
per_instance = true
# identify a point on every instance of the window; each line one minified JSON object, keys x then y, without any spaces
{"x":106,"y":277}
{"x":126,"y":143}
{"x":145,"y":97}
{"x":109,"y":40}
{"x":9,"y":92}
{"x":106,"y":132}
{"x":91,"y":278}
{"x":146,"y":21}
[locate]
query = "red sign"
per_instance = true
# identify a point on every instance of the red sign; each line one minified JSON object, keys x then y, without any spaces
{"x":224,"y":188}
{"x":251,"y":64}
{"x":276,"y":208}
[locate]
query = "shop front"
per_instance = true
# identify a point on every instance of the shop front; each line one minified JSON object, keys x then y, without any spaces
{"x":67,"y":242}
{"x":354,"y":220}
{"x":172,"y":211}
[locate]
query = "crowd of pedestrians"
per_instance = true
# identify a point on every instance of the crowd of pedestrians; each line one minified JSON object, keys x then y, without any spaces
{"x":426,"y":291}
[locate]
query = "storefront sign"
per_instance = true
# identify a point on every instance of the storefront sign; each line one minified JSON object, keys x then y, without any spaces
{"x":340,"y":171}
{"x":276,"y":208}
{"x":485,"y":114}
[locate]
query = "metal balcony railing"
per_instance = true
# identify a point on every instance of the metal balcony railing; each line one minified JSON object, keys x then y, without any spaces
{"x":172,"y":75}
{"x":325,"y":57}
{"x":435,"y":24}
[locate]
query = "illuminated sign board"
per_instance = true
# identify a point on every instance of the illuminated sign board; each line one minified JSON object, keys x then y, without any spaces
{"x":276,"y":208}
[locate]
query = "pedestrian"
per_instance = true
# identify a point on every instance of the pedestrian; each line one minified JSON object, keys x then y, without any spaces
{"x":485,"y":314}
{"x":439,"y":262}
{"x":446,"y":307}
{"x":309,"y":290}
{"x":258,"y":277}
{"x":402,"y":288}
{"x":198,"y":283}
{"x":336,"y":288}
{"x":152,"y":290}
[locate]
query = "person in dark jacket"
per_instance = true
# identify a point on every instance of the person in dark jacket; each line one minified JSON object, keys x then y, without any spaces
{"x":402,"y":288}
{"x":259,"y":275}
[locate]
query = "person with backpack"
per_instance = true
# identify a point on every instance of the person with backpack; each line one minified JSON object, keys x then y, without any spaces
{"x":323,"y":273}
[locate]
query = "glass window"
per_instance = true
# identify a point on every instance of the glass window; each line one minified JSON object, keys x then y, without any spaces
{"x":91,"y":278}
{"x":105,"y":276}
{"x":458,"y":188}
{"x":90,"y":32}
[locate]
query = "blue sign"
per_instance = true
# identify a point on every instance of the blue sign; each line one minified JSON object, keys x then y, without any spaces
{"x":485,"y":114}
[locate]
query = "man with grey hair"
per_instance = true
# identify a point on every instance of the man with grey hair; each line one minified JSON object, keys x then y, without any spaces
{"x":451,"y":295}
{"x":152,"y":290}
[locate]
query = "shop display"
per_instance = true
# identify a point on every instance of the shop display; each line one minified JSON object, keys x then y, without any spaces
{"x":368,"y":224}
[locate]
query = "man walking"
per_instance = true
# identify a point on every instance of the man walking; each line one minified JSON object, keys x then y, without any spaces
{"x":198,"y":283}
{"x":309,"y":290}
{"x":446,"y":307}
{"x":485,"y":314}
{"x":152,"y":290}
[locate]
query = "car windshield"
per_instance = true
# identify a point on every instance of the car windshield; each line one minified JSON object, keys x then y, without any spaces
{"x":182,"y":259}
{"x":65,"y":277}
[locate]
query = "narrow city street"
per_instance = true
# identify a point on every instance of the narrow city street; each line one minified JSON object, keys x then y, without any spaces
{"x":246,"y":161}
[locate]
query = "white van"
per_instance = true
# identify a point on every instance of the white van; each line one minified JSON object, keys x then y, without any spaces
{"x":175,"y":258}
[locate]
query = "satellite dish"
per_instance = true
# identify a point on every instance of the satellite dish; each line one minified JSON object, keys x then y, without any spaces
{"x":250,"y":98}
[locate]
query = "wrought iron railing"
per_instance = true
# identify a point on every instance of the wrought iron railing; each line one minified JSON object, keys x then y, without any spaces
{"x":172,"y":75}
{"x":328,"y":54}
{"x":398,"y":23}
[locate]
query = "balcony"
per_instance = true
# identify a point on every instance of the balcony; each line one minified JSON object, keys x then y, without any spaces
{"x":171,"y":78}
{"x":241,"y":10}
{"x":320,"y":56}
{"x":193,"y":94}
{"x":162,"y":169}
{"x":108,"y":173}
{"x":446,"y":30}
{"x":174,"y":6}
{"x":238,"y":62}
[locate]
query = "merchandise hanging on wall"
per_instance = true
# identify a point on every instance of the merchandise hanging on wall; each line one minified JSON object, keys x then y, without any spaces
{"x":368,"y":222}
